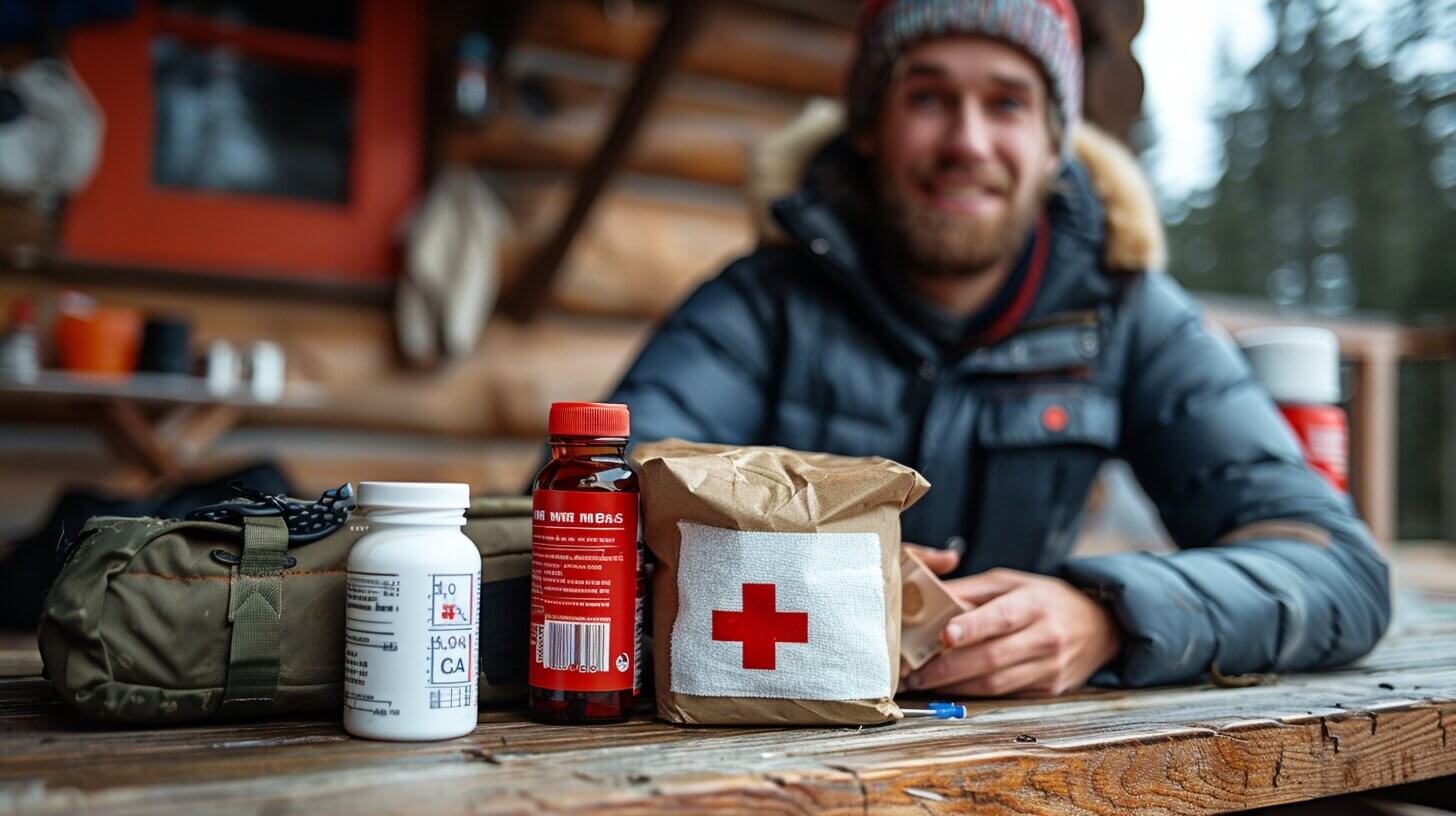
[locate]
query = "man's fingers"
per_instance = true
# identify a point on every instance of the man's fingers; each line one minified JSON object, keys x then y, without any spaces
{"x":982,"y":587}
{"x":1035,"y":675}
{"x":939,"y":562}
{"x":1001,"y":615}
{"x":980,"y":660}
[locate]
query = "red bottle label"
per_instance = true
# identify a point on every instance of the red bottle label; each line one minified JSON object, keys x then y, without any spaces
{"x":1324,"y":437}
{"x":584,"y":604}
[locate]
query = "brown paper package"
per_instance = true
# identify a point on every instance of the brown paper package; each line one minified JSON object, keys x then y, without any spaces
{"x":762,"y":489}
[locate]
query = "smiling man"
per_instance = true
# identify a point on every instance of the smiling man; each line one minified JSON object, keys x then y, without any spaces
{"x":968,"y":287}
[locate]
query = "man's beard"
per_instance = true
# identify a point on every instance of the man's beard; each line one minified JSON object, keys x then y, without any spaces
{"x":950,"y":245}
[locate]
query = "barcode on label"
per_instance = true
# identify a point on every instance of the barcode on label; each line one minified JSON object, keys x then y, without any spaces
{"x":580,"y":646}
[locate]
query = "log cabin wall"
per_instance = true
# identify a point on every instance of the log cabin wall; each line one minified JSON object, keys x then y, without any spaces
{"x":672,"y":217}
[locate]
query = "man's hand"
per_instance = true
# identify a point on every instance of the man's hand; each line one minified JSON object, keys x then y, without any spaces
{"x":937,"y":561}
{"x":1026,"y":634}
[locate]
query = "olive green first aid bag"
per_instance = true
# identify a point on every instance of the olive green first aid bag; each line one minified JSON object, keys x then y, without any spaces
{"x":163,"y":621}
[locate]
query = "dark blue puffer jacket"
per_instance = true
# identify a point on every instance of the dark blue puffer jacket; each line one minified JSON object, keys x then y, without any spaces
{"x":797,"y":346}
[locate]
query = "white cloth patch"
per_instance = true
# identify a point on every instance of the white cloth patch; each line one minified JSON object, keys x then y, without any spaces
{"x":783,"y":615}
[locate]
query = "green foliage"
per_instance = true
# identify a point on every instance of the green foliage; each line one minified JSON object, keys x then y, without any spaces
{"x":1339,"y":194}
{"x":1337,"y":168}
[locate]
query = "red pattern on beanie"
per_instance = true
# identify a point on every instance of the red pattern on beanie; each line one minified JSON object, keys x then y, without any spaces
{"x":1068,"y":13}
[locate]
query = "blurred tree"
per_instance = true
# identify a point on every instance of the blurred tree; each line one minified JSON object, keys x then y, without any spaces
{"x":1339,"y":187}
{"x":1339,"y":192}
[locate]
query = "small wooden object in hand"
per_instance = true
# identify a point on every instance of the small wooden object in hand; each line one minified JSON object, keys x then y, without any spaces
{"x":926,"y":606}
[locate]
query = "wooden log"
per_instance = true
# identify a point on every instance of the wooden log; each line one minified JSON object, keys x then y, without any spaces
{"x":1114,"y":81}
{"x":698,"y":130}
{"x":744,"y":44}
{"x":753,"y":44}
{"x":700,"y":149}
{"x":645,"y":249}
{"x":679,"y":28}
{"x":703,"y":147}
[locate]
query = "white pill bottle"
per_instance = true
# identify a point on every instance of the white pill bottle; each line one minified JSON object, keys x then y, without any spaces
{"x":411,"y":634}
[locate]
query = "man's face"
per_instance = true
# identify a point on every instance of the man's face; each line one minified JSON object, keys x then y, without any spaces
{"x":963,"y":153}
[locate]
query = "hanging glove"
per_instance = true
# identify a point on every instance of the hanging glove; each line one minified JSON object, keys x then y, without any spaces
{"x":452,"y":268}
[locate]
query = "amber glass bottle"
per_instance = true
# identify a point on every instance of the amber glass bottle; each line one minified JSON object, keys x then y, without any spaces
{"x":586,"y":561}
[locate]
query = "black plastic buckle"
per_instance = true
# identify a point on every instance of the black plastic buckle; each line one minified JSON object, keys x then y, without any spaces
{"x":306,"y":523}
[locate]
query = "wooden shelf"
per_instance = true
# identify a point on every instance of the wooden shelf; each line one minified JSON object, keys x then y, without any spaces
{"x":149,"y":389}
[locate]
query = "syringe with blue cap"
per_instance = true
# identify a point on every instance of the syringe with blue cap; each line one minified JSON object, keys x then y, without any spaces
{"x":939,"y":709}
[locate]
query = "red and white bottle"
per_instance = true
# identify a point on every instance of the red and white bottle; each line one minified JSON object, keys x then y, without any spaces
{"x":1301,"y":368}
{"x":586,"y":570}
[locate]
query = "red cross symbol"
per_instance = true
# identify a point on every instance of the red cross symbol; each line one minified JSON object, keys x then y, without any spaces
{"x":448,"y":613}
{"x":760,"y":627}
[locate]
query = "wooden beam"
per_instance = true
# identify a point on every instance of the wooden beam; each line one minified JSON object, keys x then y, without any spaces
{"x":1374,"y":443}
{"x":643,"y":251}
{"x":676,"y":31}
{"x":1114,"y":82}
{"x":1358,"y":336}
{"x":134,"y":439}
{"x":192,"y":430}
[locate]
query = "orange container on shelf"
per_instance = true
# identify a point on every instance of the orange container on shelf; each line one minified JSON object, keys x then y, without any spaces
{"x":95,"y":339}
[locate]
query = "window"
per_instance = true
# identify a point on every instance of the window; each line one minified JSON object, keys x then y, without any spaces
{"x":261,"y":138}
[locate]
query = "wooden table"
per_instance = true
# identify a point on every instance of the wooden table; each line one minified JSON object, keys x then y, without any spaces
{"x":1390,"y":719}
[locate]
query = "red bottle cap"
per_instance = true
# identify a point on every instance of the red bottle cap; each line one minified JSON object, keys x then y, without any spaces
{"x":601,"y":419}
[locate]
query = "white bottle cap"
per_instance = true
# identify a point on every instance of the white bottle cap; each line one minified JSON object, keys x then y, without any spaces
{"x":415,"y":495}
{"x":1298,"y":364}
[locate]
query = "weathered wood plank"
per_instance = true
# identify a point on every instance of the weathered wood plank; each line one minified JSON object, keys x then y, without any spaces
{"x":18,"y":655}
{"x":1196,"y":749}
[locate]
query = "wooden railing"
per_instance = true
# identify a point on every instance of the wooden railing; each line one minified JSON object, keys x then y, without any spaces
{"x":1374,"y":349}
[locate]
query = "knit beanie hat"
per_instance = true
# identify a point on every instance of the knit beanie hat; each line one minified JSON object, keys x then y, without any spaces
{"x":1046,"y":30}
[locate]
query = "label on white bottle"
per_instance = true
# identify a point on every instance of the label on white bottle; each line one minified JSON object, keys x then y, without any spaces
{"x":411,"y":648}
